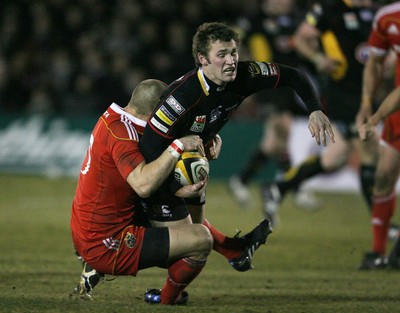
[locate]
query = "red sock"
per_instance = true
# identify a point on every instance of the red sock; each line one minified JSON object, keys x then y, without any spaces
{"x":180,"y":274}
{"x":382,"y":211}
{"x":229,"y":247}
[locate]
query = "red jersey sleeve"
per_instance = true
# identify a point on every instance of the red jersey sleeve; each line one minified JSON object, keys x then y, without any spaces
{"x":123,"y":144}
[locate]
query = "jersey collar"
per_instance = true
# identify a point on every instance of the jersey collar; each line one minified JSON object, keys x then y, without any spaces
{"x":116,"y":108}
{"x":207,"y":85}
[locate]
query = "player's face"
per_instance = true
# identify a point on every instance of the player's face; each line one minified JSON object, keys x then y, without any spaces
{"x":221,"y":63}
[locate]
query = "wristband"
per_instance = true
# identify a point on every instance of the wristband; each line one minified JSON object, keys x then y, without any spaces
{"x":176,"y":148}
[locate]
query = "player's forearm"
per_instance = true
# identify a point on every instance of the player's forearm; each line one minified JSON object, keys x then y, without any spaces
{"x":371,"y":76}
{"x":302,"y":85}
{"x":145,"y":179}
{"x":389,"y":105}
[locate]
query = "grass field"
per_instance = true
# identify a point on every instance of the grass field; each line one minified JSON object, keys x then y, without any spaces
{"x":309,"y":264}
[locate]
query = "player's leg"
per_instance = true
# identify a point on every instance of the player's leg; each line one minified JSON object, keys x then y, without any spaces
{"x":238,"y":250}
{"x":88,"y":279}
{"x":189,"y":246}
{"x":272,"y":147}
{"x":368,"y":153}
{"x":332,"y":158}
{"x":383,"y":206}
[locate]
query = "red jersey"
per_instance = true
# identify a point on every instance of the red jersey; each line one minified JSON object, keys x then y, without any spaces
{"x":384,"y":36}
{"x":104,"y":201}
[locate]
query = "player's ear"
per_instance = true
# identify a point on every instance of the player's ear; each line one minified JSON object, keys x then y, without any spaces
{"x":202,"y":59}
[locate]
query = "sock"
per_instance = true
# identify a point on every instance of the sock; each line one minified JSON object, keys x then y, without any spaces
{"x":382,"y":211}
{"x":229,"y":247}
{"x":296,"y":175}
{"x":256,"y":161}
{"x":367,"y":179}
{"x":396,"y":249}
{"x":180,"y":274}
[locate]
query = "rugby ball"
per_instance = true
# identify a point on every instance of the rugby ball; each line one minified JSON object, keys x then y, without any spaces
{"x":191,"y":168}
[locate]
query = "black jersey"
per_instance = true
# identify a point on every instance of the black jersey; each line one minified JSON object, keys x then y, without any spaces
{"x":345,"y":31}
{"x":195,"y":105}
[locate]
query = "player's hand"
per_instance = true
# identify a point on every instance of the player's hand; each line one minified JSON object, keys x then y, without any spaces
{"x":319,"y":125}
{"x":362,"y":116}
{"x":193,"y":191}
{"x":193,"y":143}
{"x":213,"y":148}
{"x":366,"y":131}
{"x":325,"y":64}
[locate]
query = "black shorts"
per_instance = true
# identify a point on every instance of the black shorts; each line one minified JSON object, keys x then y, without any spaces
{"x":155,"y":249}
{"x":164,"y":209}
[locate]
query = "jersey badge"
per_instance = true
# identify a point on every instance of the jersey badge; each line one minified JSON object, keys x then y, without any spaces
{"x":175,"y":105}
{"x":165,"y":115}
{"x":130,"y":240}
{"x":392,"y":30}
{"x":215,"y":114}
{"x":351,"y":21}
{"x":198,"y":124}
{"x":262,"y":69}
{"x":362,"y":52}
{"x":158,"y":125}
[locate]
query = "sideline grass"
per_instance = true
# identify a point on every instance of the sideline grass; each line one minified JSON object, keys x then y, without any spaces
{"x":309,"y":264}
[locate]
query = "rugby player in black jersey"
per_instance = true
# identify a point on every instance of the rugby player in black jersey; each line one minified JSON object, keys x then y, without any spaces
{"x":201,"y":102}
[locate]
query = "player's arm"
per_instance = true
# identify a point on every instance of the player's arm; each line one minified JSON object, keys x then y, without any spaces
{"x":389,"y":105}
{"x":147,"y":178}
{"x":318,"y":123}
{"x":213,"y":148}
{"x":372,"y":74}
{"x":306,"y":42}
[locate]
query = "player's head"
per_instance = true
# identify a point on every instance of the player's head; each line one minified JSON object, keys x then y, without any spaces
{"x":215,"y":50}
{"x":146,"y":95}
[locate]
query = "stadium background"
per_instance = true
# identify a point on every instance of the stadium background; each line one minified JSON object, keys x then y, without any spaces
{"x":63,"y":62}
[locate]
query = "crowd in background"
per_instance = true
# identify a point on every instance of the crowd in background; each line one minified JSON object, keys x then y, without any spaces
{"x":68,"y":57}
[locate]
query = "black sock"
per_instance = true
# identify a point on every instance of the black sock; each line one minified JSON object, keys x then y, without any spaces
{"x":296,"y":175}
{"x":367,"y":179}
{"x":395,"y":253}
{"x":255,"y":162}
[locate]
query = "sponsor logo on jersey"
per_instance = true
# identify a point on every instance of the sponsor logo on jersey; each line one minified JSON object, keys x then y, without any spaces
{"x":165,"y":115}
{"x":232,"y":107}
{"x":262,"y":69}
{"x":175,"y":105}
{"x":361,"y":52}
{"x":198,"y":124}
{"x":392,"y":30}
{"x":110,"y":243}
{"x":158,"y":125}
{"x":161,"y":211}
{"x":130,"y":240}
{"x":350,"y":20}
{"x":215,"y":114}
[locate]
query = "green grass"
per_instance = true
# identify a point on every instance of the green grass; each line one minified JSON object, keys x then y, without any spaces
{"x":309,"y":264}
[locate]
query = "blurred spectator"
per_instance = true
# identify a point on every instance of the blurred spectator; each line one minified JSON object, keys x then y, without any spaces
{"x":58,"y":56}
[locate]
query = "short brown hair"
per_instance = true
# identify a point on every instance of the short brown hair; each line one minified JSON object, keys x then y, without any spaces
{"x":208,"y":33}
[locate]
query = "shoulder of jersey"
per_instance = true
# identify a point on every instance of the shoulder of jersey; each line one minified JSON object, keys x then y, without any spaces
{"x":122,"y":128}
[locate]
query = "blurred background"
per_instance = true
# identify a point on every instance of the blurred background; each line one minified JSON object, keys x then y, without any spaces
{"x":63,"y":62}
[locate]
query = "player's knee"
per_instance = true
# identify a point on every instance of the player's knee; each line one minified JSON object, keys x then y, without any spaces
{"x":205,"y":240}
{"x":383,"y":184}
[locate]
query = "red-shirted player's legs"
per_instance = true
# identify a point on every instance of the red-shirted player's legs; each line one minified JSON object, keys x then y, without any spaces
{"x":190,"y":245}
{"x":384,"y":202}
